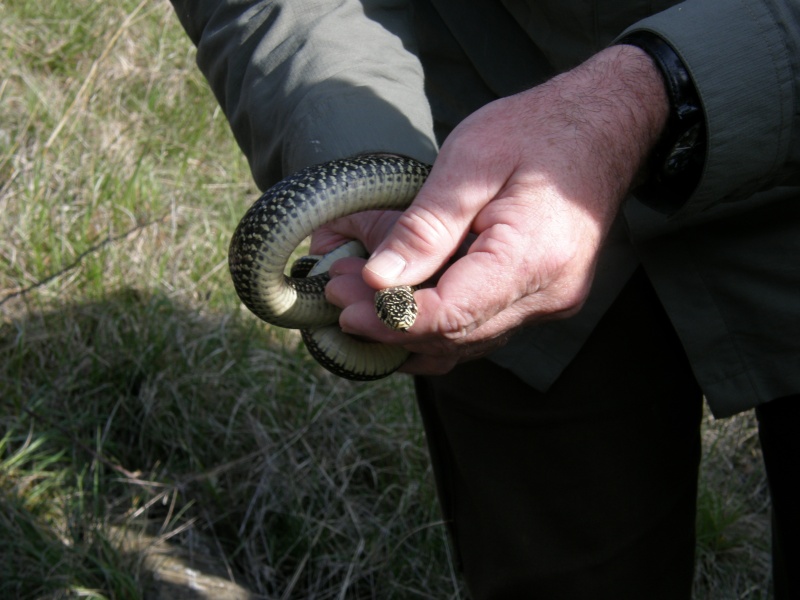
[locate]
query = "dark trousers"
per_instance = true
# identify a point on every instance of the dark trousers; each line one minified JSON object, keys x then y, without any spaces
{"x":588,"y":490}
{"x":777,"y":430}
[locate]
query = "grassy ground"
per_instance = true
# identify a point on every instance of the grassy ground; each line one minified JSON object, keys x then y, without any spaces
{"x":149,"y":425}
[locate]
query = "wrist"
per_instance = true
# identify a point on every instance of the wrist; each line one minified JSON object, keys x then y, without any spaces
{"x":620,"y":107}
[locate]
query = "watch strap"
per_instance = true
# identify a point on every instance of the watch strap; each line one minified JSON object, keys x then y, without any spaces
{"x":676,"y":161}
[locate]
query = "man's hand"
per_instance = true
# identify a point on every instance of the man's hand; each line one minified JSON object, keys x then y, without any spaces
{"x":537,"y":179}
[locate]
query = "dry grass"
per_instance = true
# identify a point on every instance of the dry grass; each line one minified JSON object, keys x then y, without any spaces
{"x":733,"y":549}
{"x":143,"y":413}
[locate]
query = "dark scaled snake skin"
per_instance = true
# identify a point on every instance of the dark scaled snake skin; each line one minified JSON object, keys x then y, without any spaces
{"x":283,"y":217}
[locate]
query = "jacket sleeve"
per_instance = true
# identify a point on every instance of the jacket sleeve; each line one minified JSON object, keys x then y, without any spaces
{"x":303,"y":81}
{"x":744,"y":58}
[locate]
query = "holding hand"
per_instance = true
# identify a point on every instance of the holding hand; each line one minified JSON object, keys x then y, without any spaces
{"x":537,"y":178}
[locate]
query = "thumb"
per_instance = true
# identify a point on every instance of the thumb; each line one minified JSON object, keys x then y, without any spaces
{"x":429,"y":232}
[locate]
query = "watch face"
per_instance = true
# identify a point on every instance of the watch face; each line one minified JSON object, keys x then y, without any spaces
{"x":682,"y":151}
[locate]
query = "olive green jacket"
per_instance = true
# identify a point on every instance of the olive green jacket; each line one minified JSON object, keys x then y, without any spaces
{"x":304,"y":81}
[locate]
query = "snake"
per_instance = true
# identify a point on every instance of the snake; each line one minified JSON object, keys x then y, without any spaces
{"x":283,"y":217}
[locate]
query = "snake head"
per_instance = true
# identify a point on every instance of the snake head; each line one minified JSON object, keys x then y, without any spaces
{"x":396,"y":307}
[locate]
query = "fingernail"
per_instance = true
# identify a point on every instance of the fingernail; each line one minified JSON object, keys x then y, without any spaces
{"x":387,"y":264}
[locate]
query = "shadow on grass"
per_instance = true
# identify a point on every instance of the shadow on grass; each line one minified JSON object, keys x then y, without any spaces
{"x":148,"y":447}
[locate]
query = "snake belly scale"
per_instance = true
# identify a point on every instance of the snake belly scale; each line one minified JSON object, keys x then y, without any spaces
{"x":284,"y":216}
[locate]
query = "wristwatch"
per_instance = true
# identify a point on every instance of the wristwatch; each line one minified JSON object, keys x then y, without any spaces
{"x":676,"y":161}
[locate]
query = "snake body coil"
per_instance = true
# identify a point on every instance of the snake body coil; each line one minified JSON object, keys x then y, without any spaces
{"x":282,"y":218}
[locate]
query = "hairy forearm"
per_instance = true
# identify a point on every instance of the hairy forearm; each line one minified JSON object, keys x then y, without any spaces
{"x":615,"y":105}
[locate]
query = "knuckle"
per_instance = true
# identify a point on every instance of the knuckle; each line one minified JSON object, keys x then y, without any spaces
{"x":424,"y":229}
{"x":573,"y":306}
{"x":570,"y":299}
{"x":456,"y":323}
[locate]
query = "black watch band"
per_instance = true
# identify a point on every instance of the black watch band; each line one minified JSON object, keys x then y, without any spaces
{"x":676,"y":161}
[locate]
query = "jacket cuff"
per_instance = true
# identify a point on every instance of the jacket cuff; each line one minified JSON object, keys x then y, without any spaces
{"x":739,"y":62}
{"x":676,"y":162}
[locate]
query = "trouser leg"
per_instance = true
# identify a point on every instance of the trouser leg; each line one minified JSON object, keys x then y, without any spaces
{"x":586,"y":491}
{"x":777,"y":429}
